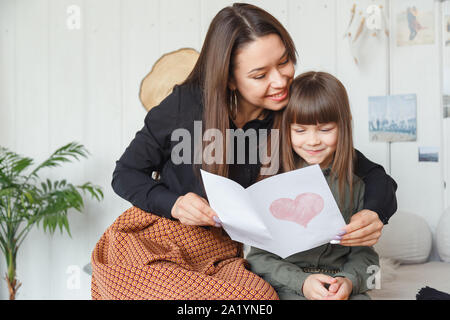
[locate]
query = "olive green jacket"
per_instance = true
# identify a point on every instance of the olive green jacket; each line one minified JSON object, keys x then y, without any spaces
{"x":334,"y":260}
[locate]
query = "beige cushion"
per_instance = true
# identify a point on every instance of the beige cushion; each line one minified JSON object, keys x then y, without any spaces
{"x":443,"y":236}
{"x":407,"y":239}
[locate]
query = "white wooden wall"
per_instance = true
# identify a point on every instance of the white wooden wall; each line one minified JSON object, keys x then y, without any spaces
{"x":445,"y":69}
{"x":59,"y":85}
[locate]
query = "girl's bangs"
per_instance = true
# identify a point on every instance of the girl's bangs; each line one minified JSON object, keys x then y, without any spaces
{"x":311,"y":107}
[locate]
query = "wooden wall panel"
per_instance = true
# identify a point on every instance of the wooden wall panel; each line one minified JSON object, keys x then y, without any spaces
{"x":312,"y":27}
{"x":104,"y":109}
{"x":367,"y":78}
{"x":67,"y":123}
{"x":445,"y":76}
{"x":180,"y":26}
{"x":32,"y":130}
{"x":140,"y":49}
{"x":415,"y":69}
{"x":7,"y":74}
{"x":7,"y":91}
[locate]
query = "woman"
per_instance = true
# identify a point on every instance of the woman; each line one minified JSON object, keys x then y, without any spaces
{"x":170,"y":244}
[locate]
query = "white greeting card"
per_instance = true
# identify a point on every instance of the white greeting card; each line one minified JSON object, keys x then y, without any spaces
{"x":283,"y":214}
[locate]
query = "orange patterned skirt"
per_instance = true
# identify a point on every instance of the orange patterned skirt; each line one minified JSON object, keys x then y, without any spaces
{"x":144,"y":256}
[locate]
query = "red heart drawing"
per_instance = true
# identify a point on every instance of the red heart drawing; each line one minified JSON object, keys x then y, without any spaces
{"x":301,"y":210}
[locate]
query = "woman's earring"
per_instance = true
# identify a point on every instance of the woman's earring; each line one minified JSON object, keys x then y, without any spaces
{"x":233,"y":104}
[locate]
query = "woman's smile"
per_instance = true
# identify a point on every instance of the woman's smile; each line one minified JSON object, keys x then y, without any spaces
{"x":281,"y":96}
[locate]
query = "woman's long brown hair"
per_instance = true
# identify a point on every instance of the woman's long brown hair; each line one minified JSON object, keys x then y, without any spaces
{"x":232,"y":29}
{"x":319,"y":97}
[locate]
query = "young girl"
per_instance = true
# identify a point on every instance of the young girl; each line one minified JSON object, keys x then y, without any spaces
{"x":317,"y":129}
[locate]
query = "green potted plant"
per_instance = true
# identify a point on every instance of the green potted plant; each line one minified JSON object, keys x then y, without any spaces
{"x":26,"y":201}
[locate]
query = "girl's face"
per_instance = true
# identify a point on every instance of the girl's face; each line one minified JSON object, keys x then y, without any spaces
{"x":262,"y":75}
{"x":315,"y":144}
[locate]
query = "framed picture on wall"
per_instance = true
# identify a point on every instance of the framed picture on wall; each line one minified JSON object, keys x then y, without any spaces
{"x":415,"y":24}
{"x":447,"y":31}
{"x":428,"y":154}
{"x":393,"y":118}
{"x":446,"y":101}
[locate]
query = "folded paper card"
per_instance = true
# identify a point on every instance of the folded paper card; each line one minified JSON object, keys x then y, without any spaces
{"x":284,"y":214}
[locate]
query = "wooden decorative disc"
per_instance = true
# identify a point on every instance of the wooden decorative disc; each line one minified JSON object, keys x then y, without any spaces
{"x":171,"y":69}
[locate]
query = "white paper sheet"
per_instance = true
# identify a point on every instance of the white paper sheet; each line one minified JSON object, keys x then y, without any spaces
{"x":283,"y":214}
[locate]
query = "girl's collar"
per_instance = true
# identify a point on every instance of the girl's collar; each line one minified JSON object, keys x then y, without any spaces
{"x":300,"y":163}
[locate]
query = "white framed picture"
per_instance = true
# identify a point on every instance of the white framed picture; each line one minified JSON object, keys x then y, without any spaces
{"x":428,"y":154}
{"x":393,"y":118}
{"x":415,"y":24}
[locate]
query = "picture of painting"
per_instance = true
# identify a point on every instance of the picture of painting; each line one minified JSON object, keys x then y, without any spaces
{"x":393,"y":118}
{"x":447,"y":30}
{"x":415,"y":25}
{"x":428,"y":154}
{"x":446,"y":101}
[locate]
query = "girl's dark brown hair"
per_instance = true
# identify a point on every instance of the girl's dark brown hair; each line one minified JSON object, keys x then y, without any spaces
{"x":231,"y":30}
{"x":319,"y":97}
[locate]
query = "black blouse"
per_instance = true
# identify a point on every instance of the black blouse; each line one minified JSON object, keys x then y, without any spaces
{"x":152,"y":147}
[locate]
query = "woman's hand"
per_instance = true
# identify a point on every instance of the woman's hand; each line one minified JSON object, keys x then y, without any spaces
{"x":193,"y":210}
{"x":314,"y":286}
{"x":364,"y":229}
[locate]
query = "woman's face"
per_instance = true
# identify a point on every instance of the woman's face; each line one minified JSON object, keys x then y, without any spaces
{"x":262,"y":75}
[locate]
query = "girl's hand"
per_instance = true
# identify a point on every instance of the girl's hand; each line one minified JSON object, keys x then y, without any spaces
{"x":341,"y":290}
{"x":313,"y":287}
{"x":193,"y":210}
{"x":364,"y":229}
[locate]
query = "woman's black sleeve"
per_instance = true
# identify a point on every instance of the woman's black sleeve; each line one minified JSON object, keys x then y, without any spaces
{"x":380,"y":188}
{"x":147,"y":152}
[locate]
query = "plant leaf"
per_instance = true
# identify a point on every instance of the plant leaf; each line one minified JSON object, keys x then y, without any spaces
{"x":31,"y":201}
{"x":64,"y":154}
{"x":21,"y":165}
